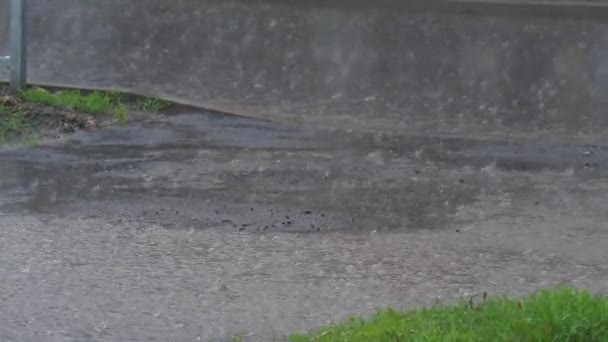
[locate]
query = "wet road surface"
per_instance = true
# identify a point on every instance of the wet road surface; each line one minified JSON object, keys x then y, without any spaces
{"x":201,"y":225}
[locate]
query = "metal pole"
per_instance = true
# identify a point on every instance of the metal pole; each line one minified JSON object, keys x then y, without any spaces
{"x":18,"y":41}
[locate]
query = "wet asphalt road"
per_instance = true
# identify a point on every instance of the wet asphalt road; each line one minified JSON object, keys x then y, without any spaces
{"x":200,"y":226}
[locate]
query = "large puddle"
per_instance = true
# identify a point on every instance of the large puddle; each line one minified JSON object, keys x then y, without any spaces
{"x":208,"y":170}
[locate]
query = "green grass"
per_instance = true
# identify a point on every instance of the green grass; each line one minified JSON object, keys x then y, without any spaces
{"x":13,"y":124}
{"x":121,"y":113}
{"x":151,"y":104}
{"x":549,"y":315}
{"x":96,"y":102}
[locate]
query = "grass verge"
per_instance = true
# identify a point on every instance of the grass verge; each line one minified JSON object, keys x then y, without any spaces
{"x":49,"y":112}
{"x":152,"y":105}
{"x":549,"y":315}
{"x":95,"y":102}
{"x":13,"y":124}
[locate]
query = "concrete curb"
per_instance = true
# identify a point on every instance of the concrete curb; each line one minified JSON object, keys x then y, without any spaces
{"x":594,"y":10}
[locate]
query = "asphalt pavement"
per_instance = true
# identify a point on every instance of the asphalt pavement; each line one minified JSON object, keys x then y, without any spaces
{"x":203,"y":226}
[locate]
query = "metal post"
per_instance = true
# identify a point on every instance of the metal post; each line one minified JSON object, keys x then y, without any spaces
{"x":18,"y":41}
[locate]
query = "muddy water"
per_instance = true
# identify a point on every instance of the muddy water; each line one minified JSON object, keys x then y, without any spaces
{"x":205,"y":226}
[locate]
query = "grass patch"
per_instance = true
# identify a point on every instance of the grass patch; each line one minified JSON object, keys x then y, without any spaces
{"x":30,"y":110}
{"x":549,"y":315}
{"x":121,"y":113}
{"x":13,"y":124}
{"x":96,"y":102}
{"x":151,"y":104}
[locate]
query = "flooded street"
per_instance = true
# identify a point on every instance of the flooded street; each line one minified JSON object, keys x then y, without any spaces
{"x":205,"y":226}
